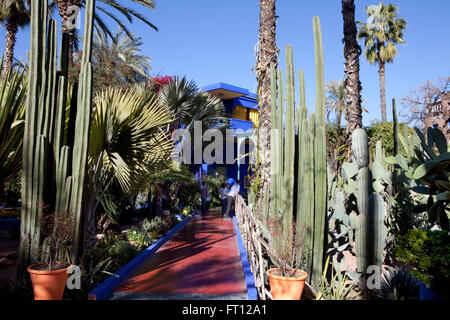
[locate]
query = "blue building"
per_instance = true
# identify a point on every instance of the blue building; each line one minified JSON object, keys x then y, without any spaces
{"x":242,"y":108}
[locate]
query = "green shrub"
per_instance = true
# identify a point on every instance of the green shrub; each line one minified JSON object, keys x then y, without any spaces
{"x":383,"y":131}
{"x":429,"y":253}
{"x":154,"y":228}
{"x":139,"y":238}
{"x":122,"y":252}
{"x":100,"y":261}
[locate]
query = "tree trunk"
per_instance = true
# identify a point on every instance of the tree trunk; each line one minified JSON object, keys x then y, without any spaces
{"x":11,"y":31}
{"x":339,"y":116}
{"x":68,"y":12}
{"x":267,"y":54}
{"x":382,"y":73}
{"x":352,"y":51}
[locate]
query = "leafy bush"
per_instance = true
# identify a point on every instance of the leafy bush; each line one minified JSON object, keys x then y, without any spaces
{"x":154,"y":228}
{"x":122,"y":252}
{"x":139,"y":238}
{"x":383,"y":131}
{"x":117,"y":248}
{"x":100,"y":261}
{"x":429,"y":253}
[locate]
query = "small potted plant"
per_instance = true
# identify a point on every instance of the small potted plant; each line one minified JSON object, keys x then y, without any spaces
{"x":286,"y":282}
{"x":49,"y":278}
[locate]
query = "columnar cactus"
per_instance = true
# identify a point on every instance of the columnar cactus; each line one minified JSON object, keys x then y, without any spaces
{"x":299,"y":173}
{"x":53,"y":177}
{"x":366,"y":184}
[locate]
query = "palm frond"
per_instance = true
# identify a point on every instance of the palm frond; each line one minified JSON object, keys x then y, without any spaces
{"x":382,"y":31}
{"x":12,"y":113}
{"x":126,"y":132}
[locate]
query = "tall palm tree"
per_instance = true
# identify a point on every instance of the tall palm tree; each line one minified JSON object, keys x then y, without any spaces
{"x":267,"y":54}
{"x":336,"y":99}
{"x":119,"y":57}
{"x":352,"y":51}
{"x":103,"y":8}
{"x":381,"y":33}
{"x":14,"y":14}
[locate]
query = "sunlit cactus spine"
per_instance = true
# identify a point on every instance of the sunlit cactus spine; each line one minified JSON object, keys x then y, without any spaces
{"x":49,"y":184}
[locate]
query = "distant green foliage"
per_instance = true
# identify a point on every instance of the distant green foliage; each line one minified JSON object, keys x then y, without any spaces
{"x":429,"y":253}
{"x":335,"y":135}
{"x":383,"y":131}
{"x":214,"y":184}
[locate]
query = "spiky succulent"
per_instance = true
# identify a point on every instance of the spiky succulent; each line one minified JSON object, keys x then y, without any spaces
{"x":398,"y":284}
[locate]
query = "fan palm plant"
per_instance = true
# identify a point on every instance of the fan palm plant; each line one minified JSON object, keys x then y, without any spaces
{"x":111,"y":9}
{"x":13,"y":90}
{"x":381,"y":33}
{"x":14,"y":14}
{"x":336,"y":99}
{"x":189,"y":105}
{"x":126,"y":140}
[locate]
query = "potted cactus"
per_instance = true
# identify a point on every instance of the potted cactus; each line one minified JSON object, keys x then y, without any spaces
{"x":298,"y":188}
{"x":286,"y":281}
{"x":49,"y":277}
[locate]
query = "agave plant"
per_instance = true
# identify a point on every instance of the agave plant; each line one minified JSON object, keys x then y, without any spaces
{"x":427,"y":162}
{"x":13,"y":90}
{"x":126,"y":140}
{"x":336,"y":287}
{"x":398,"y":284}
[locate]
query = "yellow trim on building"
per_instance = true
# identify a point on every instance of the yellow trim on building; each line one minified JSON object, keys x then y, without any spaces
{"x":247,"y":114}
{"x":240,"y":113}
{"x":254,"y":116}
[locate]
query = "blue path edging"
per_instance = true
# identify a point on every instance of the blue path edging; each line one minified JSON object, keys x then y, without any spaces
{"x":427,"y":293}
{"x":104,"y":290}
{"x":252,"y":293}
{"x":10,"y":223}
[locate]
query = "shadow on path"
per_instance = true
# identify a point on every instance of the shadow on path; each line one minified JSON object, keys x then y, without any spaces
{"x":201,"y":261}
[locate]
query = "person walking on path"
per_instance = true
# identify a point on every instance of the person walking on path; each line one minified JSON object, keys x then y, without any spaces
{"x":234,"y":190}
{"x":223,"y":191}
{"x":204,"y":196}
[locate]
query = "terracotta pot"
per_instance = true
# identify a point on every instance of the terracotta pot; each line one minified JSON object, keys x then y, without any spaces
{"x":286,"y":288}
{"x":48,"y":284}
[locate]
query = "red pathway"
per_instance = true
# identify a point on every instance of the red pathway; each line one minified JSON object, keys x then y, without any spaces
{"x":201,"y":261}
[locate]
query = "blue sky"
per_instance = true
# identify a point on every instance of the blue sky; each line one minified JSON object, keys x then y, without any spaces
{"x":214,"y":41}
